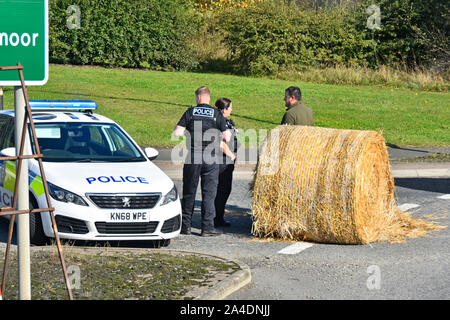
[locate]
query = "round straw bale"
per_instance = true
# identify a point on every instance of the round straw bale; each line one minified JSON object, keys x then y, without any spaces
{"x":328,"y":185}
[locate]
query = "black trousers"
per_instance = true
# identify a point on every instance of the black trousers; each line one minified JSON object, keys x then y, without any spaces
{"x":223,"y":190}
{"x":209,"y":174}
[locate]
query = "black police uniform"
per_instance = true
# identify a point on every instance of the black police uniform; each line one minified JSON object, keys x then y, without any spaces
{"x":226,"y":168}
{"x":204,"y":125}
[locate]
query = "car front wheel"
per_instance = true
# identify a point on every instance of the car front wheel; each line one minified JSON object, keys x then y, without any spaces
{"x":37,"y":235}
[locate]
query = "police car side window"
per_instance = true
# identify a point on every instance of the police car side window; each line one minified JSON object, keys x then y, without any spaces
{"x":3,"y":125}
{"x":6,"y":132}
{"x":119,"y":145}
{"x":10,"y":138}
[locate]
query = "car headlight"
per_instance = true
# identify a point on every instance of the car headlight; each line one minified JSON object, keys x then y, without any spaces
{"x":63,"y":195}
{"x":172,"y":195}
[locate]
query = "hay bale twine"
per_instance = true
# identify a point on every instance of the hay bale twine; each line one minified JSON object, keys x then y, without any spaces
{"x":328,"y":185}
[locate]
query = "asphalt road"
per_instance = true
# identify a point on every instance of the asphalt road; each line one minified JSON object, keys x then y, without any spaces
{"x":416,"y":269}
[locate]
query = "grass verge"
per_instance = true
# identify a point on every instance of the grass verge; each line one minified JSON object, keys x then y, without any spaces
{"x":148,"y":104}
{"x":104,"y":274}
{"x":384,"y":76}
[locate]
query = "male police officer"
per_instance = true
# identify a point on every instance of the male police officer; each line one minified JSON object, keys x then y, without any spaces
{"x":205,"y":128}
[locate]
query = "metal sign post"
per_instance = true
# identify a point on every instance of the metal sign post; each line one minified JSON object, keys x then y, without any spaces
{"x":23,"y":222}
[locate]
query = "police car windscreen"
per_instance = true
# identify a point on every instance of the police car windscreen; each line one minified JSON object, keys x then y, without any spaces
{"x":72,"y":142}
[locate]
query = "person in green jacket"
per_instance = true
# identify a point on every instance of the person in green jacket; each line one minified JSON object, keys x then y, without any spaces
{"x":296,"y":113}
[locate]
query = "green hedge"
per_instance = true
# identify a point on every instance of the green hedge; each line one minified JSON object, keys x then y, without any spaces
{"x":272,"y":36}
{"x":413,"y":33}
{"x":279,"y":34}
{"x":268,"y":37}
{"x":124,"y":33}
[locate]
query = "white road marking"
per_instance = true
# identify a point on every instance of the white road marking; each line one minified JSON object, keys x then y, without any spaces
{"x":408,"y":206}
{"x":295,"y":248}
{"x":445,"y":197}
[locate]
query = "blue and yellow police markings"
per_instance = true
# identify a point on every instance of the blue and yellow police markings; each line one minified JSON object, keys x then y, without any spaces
{"x":8,"y":181}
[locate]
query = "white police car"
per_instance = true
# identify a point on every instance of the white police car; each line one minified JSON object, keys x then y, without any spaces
{"x":102,"y":185}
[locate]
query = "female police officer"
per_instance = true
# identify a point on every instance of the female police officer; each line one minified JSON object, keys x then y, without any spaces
{"x":226,"y":166}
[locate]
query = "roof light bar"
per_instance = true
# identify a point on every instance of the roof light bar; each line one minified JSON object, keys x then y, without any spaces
{"x":63,"y":105}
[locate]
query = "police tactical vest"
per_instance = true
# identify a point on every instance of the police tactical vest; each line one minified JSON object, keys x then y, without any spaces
{"x":203,"y":128}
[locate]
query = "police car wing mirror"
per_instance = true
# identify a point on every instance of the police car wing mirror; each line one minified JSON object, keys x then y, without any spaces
{"x":8,"y":152}
{"x":151,"y":153}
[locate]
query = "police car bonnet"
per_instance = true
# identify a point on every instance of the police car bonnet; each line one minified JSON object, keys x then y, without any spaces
{"x":123,"y":177}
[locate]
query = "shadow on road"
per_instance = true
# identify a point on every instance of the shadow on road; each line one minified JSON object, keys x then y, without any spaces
{"x":439,"y":185}
{"x":239,"y":218}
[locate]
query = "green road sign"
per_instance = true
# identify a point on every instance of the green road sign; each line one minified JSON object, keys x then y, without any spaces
{"x":24,"y":39}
